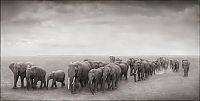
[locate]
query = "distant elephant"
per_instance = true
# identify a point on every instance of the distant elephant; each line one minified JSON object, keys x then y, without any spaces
{"x":147,"y":68}
{"x":133,"y":69}
{"x":77,"y":72}
{"x":174,"y":65}
{"x":95,"y":79}
{"x":19,"y":69}
{"x":102,"y":64}
{"x":112,"y":59}
{"x":164,"y":62}
{"x":153,"y":67}
{"x":106,"y":77}
{"x":124,"y":69}
{"x":186,"y":66}
{"x":114,"y":75}
{"x":171,"y":64}
{"x":35,"y":74}
{"x":140,"y":65}
{"x":58,"y":75}
{"x":93,"y":64}
{"x":158,"y":65}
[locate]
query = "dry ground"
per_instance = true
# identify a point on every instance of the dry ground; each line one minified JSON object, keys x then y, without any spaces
{"x":162,"y":86}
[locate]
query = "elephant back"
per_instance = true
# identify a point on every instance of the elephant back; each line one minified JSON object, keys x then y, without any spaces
{"x":59,"y":73}
{"x":106,"y":71}
{"x":38,"y":71}
{"x":114,"y":68}
{"x":124,"y":67}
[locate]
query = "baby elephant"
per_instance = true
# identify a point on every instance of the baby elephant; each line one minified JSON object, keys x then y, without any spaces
{"x":58,"y":76}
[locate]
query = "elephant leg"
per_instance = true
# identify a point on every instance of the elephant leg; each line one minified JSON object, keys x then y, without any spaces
{"x":95,"y":86}
{"x":75,"y":86}
{"x":71,"y":88}
{"x":15,"y":81}
{"x":135,"y":77}
{"x":55,"y":84}
{"x":41,"y":84}
{"x":52,"y":84}
{"x":185,"y":72}
{"x":27,"y":84}
{"x":108,"y":83}
{"x":32,"y":83}
{"x":126,"y":76}
{"x":22,"y":81}
{"x":44,"y":82}
{"x":82,"y":85}
{"x":139,"y":76}
{"x":35,"y":83}
{"x":116,"y":83}
{"x":121,"y":76}
{"x":63,"y":84}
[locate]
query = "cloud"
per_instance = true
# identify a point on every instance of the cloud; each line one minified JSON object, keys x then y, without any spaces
{"x":128,"y":28}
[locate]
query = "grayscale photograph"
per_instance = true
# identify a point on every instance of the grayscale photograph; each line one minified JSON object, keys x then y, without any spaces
{"x":100,"y":50}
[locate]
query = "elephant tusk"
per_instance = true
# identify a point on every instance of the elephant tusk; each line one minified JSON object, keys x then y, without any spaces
{"x":73,"y":80}
{"x":68,"y":83}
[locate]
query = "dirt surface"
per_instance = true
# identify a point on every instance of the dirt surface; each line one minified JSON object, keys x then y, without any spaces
{"x":165,"y":85}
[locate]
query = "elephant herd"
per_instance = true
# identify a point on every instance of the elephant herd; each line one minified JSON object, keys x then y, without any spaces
{"x":96,"y":75}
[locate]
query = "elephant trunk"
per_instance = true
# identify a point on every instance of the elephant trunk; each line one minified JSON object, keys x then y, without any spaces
{"x":71,"y":84}
{"x":103,"y":83}
{"x":68,"y":82}
{"x":91,"y":87}
{"x":48,"y":78}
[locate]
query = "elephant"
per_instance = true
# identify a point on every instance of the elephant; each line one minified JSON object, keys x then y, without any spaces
{"x":35,"y":74}
{"x":186,"y":66}
{"x":106,"y":77}
{"x":113,"y":77}
{"x":147,"y":68}
{"x":19,"y":70}
{"x":95,"y":79}
{"x":158,"y":65}
{"x":153,"y":67}
{"x":140,"y":65}
{"x":164,"y":62}
{"x":124,"y":69}
{"x":112,"y":59}
{"x":174,"y":65}
{"x":58,"y":75}
{"x":133,"y":69}
{"x":77,"y":73}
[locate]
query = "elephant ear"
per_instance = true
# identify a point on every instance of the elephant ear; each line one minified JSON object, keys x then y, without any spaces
{"x":51,"y":74}
{"x":34,"y":70}
{"x":12,"y":67}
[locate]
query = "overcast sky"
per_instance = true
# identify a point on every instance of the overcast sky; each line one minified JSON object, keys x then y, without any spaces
{"x":99,"y":28}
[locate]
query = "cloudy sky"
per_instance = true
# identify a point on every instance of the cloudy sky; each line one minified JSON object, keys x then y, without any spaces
{"x":99,"y":28}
